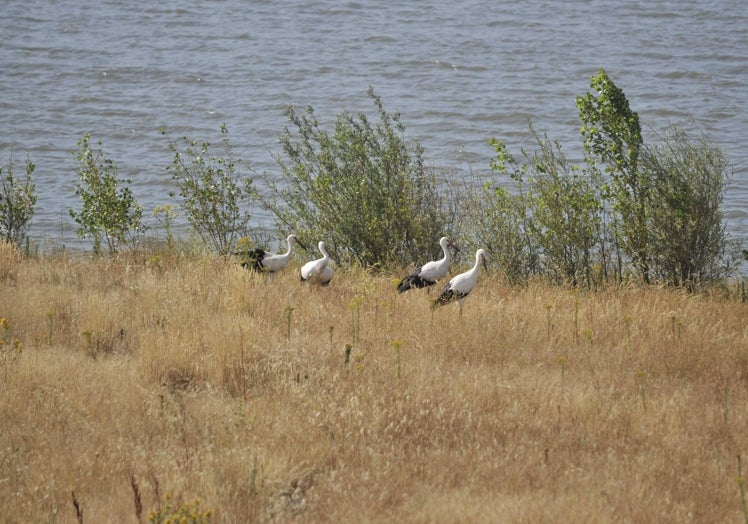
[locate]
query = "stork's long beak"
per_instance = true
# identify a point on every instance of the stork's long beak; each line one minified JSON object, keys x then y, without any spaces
{"x":302,"y":245}
{"x":455,"y":247}
{"x":485,"y":264}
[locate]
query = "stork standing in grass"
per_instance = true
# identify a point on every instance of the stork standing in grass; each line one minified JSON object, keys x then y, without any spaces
{"x":258,"y":260}
{"x":461,"y":285}
{"x":273,"y":263}
{"x":318,"y":271}
{"x":428,"y":274}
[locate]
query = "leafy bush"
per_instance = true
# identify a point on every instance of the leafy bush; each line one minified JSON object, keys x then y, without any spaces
{"x":17,"y":201}
{"x":655,"y":209}
{"x":665,"y":199}
{"x":361,"y":188}
{"x":688,"y":237}
{"x":499,"y":219}
{"x":566,"y":215}
{"x":109,"y":208}
{"x":212,"y":191}
{"x":550,"y":224}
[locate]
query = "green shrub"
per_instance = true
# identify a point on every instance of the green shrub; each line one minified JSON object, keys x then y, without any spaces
{"x":109,"y":209}
{"x":17,"y":201}
{"x":655,"y":209}
{"x":498,"y":220}
{"x":550,"y":224}
{"x":687,"y":228}
{"x":566,"y":213}
{"x":664,"y":199}
{"x":212,"y":191}
{"x":360,"y":187}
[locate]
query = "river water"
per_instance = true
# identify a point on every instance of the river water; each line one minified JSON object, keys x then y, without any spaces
{"x":458,"y":72}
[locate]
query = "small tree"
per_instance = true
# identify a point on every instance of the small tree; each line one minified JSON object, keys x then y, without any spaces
{"x":109,"y":212}
{"x":612,"y":137}
{"x":212,"y":191}
{"x":17,"y":201}
{"x":361,"y":187}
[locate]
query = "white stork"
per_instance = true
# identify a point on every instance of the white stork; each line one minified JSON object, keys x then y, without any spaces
{"x":460,"y":286}
{"x":429,"y":273}
{"x":271,"y":263}
{"x":318,"y":271}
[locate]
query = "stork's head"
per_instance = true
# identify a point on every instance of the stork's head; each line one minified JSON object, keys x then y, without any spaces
{"x":447,"y":243}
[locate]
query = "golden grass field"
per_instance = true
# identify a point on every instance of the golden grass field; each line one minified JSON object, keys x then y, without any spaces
{"x":131,"y":380}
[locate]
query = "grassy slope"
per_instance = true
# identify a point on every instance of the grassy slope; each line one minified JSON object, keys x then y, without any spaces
{"x":201,"y":380}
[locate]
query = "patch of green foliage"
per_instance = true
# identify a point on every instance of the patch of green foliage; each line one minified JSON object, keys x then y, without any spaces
{"x":360,"y":187}
{"x":110,"y":211}
{"x":613,"y":139}
{"x":214,"y":195}
{"x":632,"y":209}
{"x":17,"y":201}
{"x":688,"y":177}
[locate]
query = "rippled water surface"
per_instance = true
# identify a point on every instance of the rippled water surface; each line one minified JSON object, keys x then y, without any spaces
{"x":459,"y":73}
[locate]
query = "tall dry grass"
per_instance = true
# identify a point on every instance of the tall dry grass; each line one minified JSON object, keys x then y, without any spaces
{"x":126,"y":380}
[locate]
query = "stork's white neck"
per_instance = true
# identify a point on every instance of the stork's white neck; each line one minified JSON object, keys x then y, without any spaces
{"x":445,"y":250}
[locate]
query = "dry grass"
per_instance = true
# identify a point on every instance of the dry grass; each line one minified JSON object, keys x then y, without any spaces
{"x":196,"y":378}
